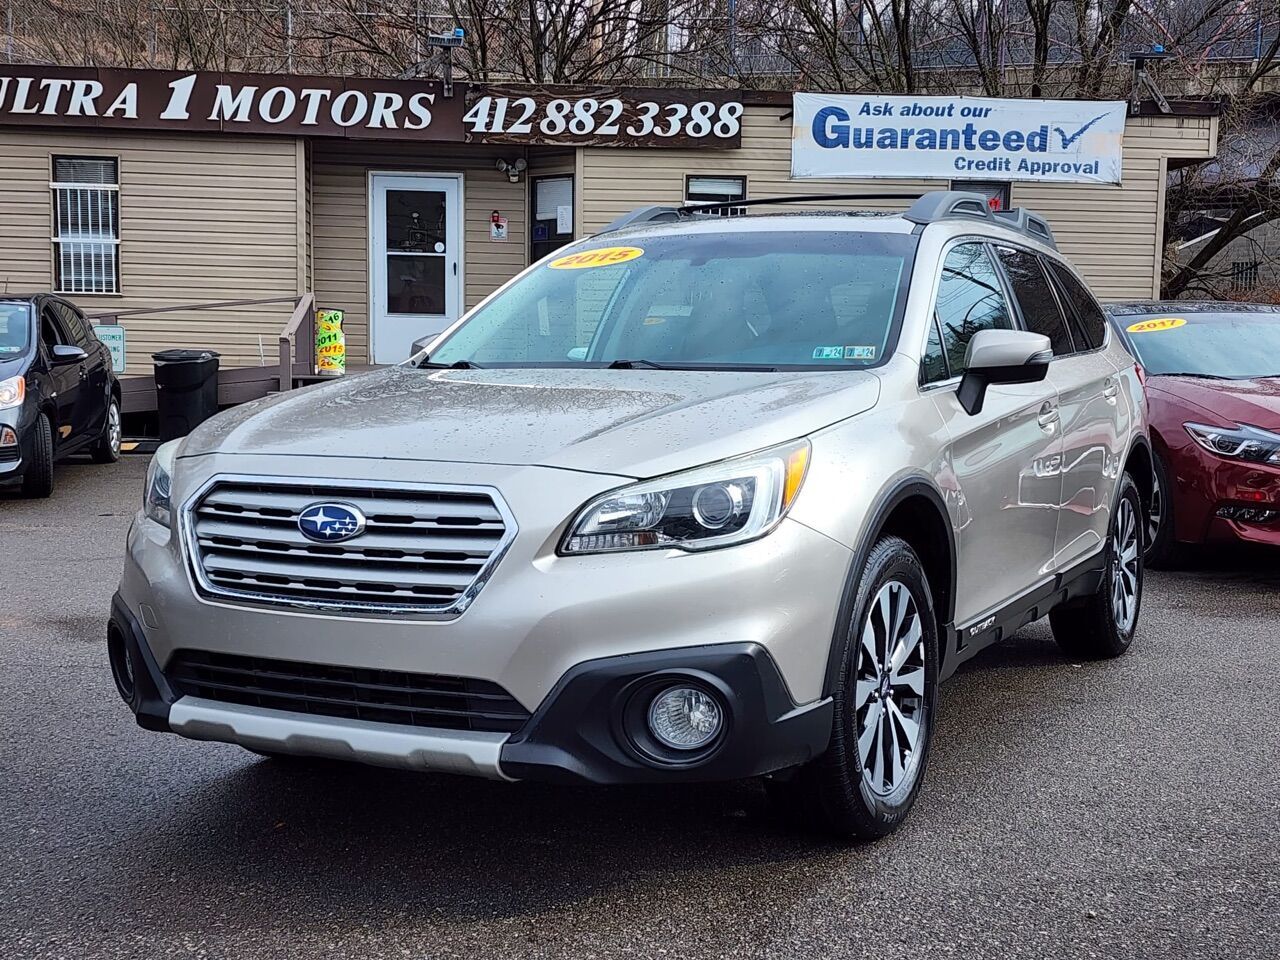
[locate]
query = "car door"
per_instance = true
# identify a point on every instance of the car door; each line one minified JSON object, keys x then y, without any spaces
{"x":1004,"y":483}
{"x":1095,"y":423}
{"x":64,"y":378}
{"x":95,"y":372}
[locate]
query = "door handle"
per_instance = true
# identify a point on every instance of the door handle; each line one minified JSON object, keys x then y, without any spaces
{"x":1048,"y":416}
{"x":1110,"y":391}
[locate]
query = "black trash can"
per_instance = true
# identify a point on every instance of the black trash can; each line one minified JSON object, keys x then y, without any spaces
{"x":186,"y":390}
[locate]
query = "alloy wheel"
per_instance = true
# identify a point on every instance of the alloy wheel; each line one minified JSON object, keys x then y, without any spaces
{"x":114,"y":433}
{"x":1125,"y":568}
{"x":1155,"y":512}
{"x":890,"y":691}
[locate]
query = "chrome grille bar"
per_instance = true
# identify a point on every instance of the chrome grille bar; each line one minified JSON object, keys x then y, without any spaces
{"x":426,"y":550}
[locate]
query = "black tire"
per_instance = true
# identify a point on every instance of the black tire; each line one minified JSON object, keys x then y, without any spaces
{"x":1092,"y":627}
{"x":837,"y":790}
{"x":107,"y":447}
{"x":1163,"y":551}
{"x":37,"y":478}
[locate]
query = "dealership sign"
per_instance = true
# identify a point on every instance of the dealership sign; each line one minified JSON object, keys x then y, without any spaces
{"x":363,"y":108}
{"x":957,"y":138}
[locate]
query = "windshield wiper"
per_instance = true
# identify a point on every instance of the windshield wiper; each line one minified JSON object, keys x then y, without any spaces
{"x":425,"y":364}
{"x":655,"y":365}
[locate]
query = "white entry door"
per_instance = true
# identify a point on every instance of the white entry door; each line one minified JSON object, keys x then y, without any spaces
{"x":415,"y":271}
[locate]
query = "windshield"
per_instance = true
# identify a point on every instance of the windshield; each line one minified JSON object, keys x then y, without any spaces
{"x":1231,"y":345}
{"x":753,"y":299}
{"x":15,"y":324}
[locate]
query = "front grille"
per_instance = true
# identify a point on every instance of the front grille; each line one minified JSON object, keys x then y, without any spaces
{"x":354,"y":693}
{"x":423,"y":550}
{"x":9,"y":454}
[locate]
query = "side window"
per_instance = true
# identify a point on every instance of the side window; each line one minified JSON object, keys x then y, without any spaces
{"x":933,"y":366}
{"x":1039,"y":306}
{"x":51,"y":332}
{"x":969,"y":299}
{"x":73,"y":324}
{"x":1090,"y":320}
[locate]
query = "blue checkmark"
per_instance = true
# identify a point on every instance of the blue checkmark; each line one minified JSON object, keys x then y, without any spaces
{"x":1068,"y":141}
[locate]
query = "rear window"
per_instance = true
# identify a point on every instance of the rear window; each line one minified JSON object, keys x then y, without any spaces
{"x":786,"y":298}
{"x":15,"y":328}
{"x":1231,"y":345}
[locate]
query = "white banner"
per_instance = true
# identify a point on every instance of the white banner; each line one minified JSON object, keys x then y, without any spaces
{"x":957,"y":138}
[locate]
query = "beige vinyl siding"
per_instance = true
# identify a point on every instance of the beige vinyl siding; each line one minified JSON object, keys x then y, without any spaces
{"x":202,"y":219}
{"x":340,"y":222}
{"x":1109,"y":232}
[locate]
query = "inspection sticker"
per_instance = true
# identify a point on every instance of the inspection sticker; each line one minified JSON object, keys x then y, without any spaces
{"x":1156,"y":324}
{"x":828,"y":353}
{"x":859,"y":353}
{"x":604,"y":257}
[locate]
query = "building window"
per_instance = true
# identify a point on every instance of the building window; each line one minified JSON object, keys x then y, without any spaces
{"x":551,"y":225}
{"x":86,"y":224}
{"x":996,"y":191}
{"x":1244,"y":275}
{"x":716,"y":190}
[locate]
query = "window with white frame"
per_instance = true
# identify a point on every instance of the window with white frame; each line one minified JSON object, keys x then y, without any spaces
{"x":716,"y":190}
{"x":86,"y":224}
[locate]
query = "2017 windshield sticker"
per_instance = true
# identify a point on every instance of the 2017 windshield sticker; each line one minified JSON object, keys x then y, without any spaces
{"x":1156,"y":324}
{"x":604,"y":257}
{"x":859,"y":353}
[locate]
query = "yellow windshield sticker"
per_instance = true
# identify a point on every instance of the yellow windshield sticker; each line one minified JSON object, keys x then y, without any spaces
{"x":1159,"y":323}
{"x":604,"y":257}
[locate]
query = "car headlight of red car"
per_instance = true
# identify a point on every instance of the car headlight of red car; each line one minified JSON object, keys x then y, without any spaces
{"x":1241,"y":442}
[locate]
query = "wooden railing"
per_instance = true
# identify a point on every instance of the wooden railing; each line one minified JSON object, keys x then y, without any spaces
{"x":301,"y":325}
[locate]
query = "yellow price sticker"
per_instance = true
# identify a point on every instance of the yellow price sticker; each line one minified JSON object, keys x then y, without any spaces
{"x":604,"y":257}
{"x":1159,"y":323}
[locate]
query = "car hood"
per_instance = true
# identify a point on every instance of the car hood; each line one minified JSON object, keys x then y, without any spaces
{"x":637,"y":423}
{"x":1255,"y":402}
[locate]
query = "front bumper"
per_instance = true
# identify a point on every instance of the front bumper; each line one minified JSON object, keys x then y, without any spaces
{"x":1204,"y":485}
{"x":753,"y":621}
{"x":13,"y":457}
{"x":582,"y":732}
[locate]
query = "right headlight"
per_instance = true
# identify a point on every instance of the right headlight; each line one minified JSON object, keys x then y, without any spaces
{"x":156,"y":500}
{"x":713,"y":506}
{"x":12,"y":392}
{"x":1241,"y":442}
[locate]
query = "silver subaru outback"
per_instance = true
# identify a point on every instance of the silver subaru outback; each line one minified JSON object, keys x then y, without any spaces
{"x":696,"y":498}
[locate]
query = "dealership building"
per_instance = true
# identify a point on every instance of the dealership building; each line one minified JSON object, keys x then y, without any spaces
{"x":220,"y":210}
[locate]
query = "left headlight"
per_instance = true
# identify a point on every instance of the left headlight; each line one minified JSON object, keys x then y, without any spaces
{"x":713,"y":506}
{"x":12,"y":392}
{"x":157,"y":500}
{"x":1241,"y":442}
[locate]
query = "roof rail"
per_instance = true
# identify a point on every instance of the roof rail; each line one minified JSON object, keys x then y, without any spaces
{"x":1031,"y":224}
{"x":925,"y":209}
{"x":662,"y":214}
{"x":941,"y":204}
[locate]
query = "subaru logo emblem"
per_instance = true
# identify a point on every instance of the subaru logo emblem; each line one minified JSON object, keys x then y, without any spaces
{"x":331,"y":522}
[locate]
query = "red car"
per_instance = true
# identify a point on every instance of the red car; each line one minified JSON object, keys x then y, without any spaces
{"x":1212,"y":376}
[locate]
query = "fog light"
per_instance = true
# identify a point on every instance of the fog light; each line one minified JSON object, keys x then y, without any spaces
{"x":685,"y":718}
{"x":121,"y":659}
{"x":7,"y":437}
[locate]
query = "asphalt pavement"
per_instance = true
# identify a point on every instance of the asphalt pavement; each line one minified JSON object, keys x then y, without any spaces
{"x":1122,"y":809}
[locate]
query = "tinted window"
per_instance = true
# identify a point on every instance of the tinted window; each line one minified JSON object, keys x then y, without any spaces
{"x":51,"y":332}
{"x":969,"y":299}
{"x":73,"y":324}
{"x":1235,"y":345}
{"x":1035,"y":297}
{"x":15,"y":322}
{"x":933,"y":366}
{"x":746,"y":298}
{"x":1091,"y":324}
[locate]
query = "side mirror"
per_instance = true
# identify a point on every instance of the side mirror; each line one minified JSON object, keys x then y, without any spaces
{"x":422,"y":343}
{"x":1002,"y":356}
{"x":64,"y":353}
